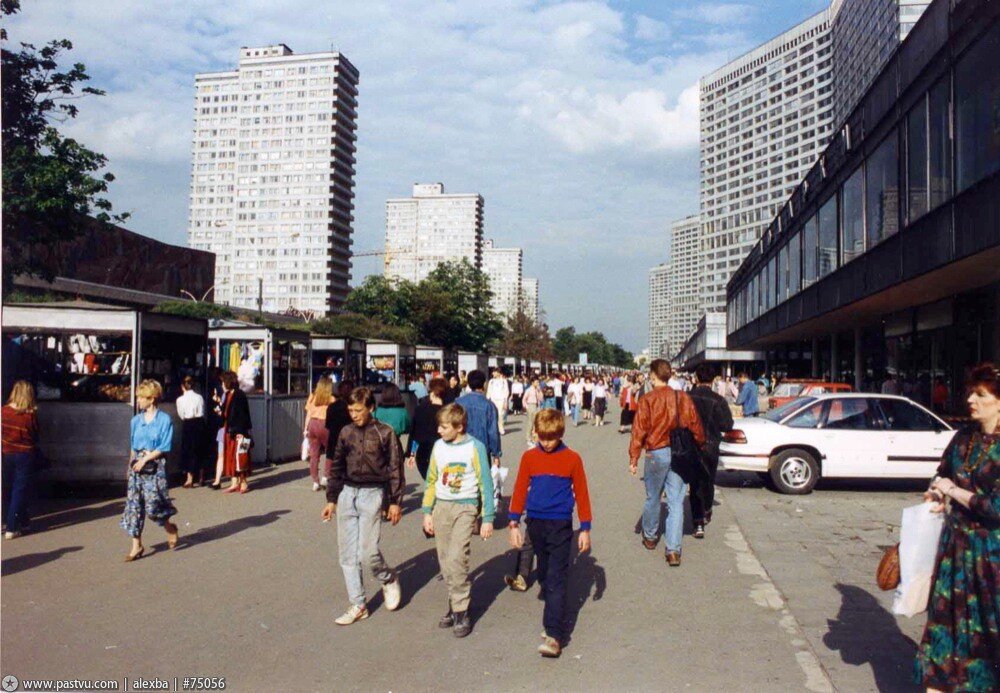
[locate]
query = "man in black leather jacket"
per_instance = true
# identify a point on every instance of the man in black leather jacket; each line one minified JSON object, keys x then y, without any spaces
{"x":716,"y":417}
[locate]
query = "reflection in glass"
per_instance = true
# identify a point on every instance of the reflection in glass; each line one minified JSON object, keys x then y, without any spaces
{"x":826,"y":254}
{"x":916,"y":162}
{"x":851,"y":219}
{"x":882,"y":191}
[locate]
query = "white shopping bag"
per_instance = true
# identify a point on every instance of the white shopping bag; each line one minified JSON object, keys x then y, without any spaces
{"x":305,"y":449}
{"x":499,"y":475}
{"x":918,"y":544}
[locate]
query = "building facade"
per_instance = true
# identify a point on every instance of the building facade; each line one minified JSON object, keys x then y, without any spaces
{"x":686,"y":277}
{"x":503,"y":267}
{"x":864,"y":34}
{"x":659,"y":311}
{"x":529,"y":297}
{"x":429,"y":228}
{"x":764,"y":119}
{"x":885,"y":262}
{"x":272,"y":178}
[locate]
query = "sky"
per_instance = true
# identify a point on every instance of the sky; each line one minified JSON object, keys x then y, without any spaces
{"x":577,"y":121}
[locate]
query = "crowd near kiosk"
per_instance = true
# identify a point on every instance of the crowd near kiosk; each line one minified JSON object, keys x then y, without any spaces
{"x":435,"y":361}
{"x":388,"y":362}
{"x":469,"y":361}
{"x":85,"y":361}
{"x":272,"y":366}
{"x":340,"y":358}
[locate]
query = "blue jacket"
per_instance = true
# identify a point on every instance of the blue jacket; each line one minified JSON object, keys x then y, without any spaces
{"x":483,"y":424}
{"x":748,"y":398}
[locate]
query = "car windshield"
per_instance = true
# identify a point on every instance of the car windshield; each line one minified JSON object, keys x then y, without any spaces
{"x":787,"y":390}
{"x":788,"y":408}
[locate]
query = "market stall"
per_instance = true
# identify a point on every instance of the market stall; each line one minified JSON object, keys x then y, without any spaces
{"x":536,"y":367}
{"x":436,"y":362}
{"x":512,"y":366}
{"x":85,"y":360}
{"x":273,"y":368}
{"x":341,"y":358}
{"x":388,"y":362}
{"x":472,"y":361}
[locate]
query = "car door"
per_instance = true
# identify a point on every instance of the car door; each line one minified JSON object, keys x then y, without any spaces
{"x":853,"y":443}
{"x":916,"y":438}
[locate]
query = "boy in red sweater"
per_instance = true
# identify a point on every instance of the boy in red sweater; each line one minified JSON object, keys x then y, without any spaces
{"x":550,"y":481}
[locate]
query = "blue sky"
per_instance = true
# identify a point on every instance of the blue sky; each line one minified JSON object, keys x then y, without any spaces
{"x":577,"y":121}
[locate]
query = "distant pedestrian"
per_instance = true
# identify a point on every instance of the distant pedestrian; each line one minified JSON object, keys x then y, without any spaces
{"x":748,"y":396}
{"x":392,"y":410}
{"x":424,"y":433}
{"x":716,"y":417}
{"x":151,"y":438}
{"x":315,"y":430}
{"x":532,"y":401}
{"x":498,"y":392}
{"x":587,"y":399}
{"x":482,"y":416}
{"x":459,"y":490}
{"x":600,"y":402}
{"x":662,"y":412}
{"x":517,"y":387}
{"x":237,"y":434}
{"x":550,"y":481}
{"x":454,"y":389}
{"x":366,"y":471}
{"x":336,"y":418}
{"x":191,"y":411}
{"x":890,"y":386}
{"x":629,"y":401}
{"x":415,"y":384}
{"x":574,"y":399}
{"x":20,"y":456}
{"x":549,"y":400}
{"x":557,"y":389}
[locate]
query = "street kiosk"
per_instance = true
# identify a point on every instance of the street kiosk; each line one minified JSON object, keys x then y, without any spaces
{"x":273,"y":368}
{"x":388,"y":362}
{"x":469,"y":361}
{"x":436,"y":360}
{"x":512,"y":366}
{"x":85,"y":361}
{"x":340,"y":358}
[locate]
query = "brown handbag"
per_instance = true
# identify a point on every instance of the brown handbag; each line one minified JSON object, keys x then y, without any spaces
{"x":887,"y":573}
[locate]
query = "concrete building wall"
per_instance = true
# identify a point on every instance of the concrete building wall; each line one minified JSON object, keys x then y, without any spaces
{"x":659,"y":311}
{"x":503,"y":267}
{"x":685,"y":279}
{"x":529,"y":297}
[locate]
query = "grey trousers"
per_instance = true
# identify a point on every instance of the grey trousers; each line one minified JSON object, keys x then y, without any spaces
{"x":454,"y":524}
{"x":359,"y":529}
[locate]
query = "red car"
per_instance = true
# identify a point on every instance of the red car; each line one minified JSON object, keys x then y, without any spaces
{"x":787,"y":390}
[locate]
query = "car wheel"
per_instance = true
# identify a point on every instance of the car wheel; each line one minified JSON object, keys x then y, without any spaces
{"x":794,"y":471}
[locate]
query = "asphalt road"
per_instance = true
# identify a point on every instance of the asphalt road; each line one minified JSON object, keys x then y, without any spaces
{"x":780,"y":596}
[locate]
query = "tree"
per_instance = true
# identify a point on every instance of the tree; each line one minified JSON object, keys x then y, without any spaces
{"x":525,"y":338}
{"x":380,"y":299}
{"x":569,"y":345}
{"x":50,"y":182}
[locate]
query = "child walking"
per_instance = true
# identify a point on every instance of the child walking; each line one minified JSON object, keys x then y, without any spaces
{"x":458,"y":483}
{"x":367,"y":466}
{"x":550,"y":480}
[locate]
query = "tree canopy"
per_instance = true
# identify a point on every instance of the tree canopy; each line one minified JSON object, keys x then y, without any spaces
{"x":525,"y":338}
{"x":568,"y":346}
{"x":51,"y":183}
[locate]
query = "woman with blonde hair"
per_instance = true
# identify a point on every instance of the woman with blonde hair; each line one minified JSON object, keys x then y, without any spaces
{"x":315,"y":428}
{"x":20,"y":444}
{"x":152,"y":434}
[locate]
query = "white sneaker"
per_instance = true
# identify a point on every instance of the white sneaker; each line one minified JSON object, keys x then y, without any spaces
{"x":11,"y":535}
{"x":354,"y":614}
{"x":322,"y":481}
{"x":315,"y":486}
{"x":392,"y":594}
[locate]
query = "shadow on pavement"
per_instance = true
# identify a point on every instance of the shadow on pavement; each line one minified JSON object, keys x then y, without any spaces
{"x":728,"y":479}
{"x":865,"y":633}
{"x":55,"y":517}
{"x":414,"y":573}
{"x":587,"y":580}
{"x":226,"y":529}
{"x":33,"y":560}
{"x":258,"y":483}
{"x":661,"y":527}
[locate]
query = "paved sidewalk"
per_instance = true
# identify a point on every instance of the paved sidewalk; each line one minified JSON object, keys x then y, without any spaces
{"x":253,"y":589}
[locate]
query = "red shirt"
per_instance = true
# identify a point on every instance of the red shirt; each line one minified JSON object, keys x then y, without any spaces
{"x":20,"y":430}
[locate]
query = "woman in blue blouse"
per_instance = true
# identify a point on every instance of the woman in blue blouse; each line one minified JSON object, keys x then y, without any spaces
{"x":152,"y":433}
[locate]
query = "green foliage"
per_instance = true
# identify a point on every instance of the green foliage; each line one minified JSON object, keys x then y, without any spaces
{"x":450,"y":308}
{"x":362,"y":327}
{"x":29,"y":296}
{"x":569,"y":345}
{"x":50,"y":182}
{"x":525,"y":338}
{"x":194,"y":309}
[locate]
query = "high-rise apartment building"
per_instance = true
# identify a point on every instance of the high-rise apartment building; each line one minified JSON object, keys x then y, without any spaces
{"x":503,"y":267}
{"x":272,"y":178}
{"x":659,"y":312}
{"x":529,"y":297}
{"x":430,"y":228}
{"x":764,"y":119}
{"x":685,"y":280}
{"x":865,"y":34}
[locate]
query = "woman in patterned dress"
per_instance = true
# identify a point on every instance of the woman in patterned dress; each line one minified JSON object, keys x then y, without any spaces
{"x":152,"y":433}
{"x":960,"y":650}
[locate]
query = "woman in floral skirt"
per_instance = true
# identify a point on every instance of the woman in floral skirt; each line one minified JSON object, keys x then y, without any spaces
{"x":960,"y":650}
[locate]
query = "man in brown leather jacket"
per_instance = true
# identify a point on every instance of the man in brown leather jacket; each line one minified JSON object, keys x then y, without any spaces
{"x":366,"y":468}
{"x":660,"y":412}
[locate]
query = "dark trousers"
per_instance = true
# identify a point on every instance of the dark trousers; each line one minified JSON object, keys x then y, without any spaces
{"x":703,"y":487}
{"x":423,"y":456}
{"x":18,"y":469}
{"x":523,"y":557}
{"x":552,"y":540}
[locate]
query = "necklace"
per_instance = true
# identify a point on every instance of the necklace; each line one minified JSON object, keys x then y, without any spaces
{"x":984,"y":447}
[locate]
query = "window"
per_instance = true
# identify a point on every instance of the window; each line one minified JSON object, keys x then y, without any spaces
{"x":977,"y":98}
{"x":782,"y":260}
{"x":916,"y":163}
{"x":882,"y":191}
{"x":852,"y":223}
{"x":853,"y":414}
{"x":903,"y":416}
{"x":809,"y":418}
{"x":939,"y":143}
{"x":827,"y":258}
{"x":794,"y":264}
{"x":810,"y":245}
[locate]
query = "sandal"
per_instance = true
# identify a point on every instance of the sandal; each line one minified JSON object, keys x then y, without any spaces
{"x":172,"y":537}
{"x":135,"y":556}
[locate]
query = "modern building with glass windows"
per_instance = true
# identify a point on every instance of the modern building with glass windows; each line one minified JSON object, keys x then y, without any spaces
{"x":685,"y":274}
{"x":659,"y":311}
{"x":885,"y":261}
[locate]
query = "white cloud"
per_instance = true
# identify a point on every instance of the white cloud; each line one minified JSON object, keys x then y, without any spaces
{"x":649,"y":29}
{"x":718,"y":13}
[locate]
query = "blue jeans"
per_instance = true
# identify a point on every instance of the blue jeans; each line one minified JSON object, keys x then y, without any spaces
{"x":359,"y":529}
{"x":18,"y":468}
{"x":575,"y":411}
{"x":659,"y":478}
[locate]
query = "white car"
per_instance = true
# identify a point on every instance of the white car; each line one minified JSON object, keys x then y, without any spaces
{"x":837,"y":435}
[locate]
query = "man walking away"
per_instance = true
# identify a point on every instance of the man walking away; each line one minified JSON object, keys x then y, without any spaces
{"x":660,"y":413}
{"x":482,"y":416}
{"x":748,"y":396}
{"x":498,"y":392}
{"x":713,"y":410}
